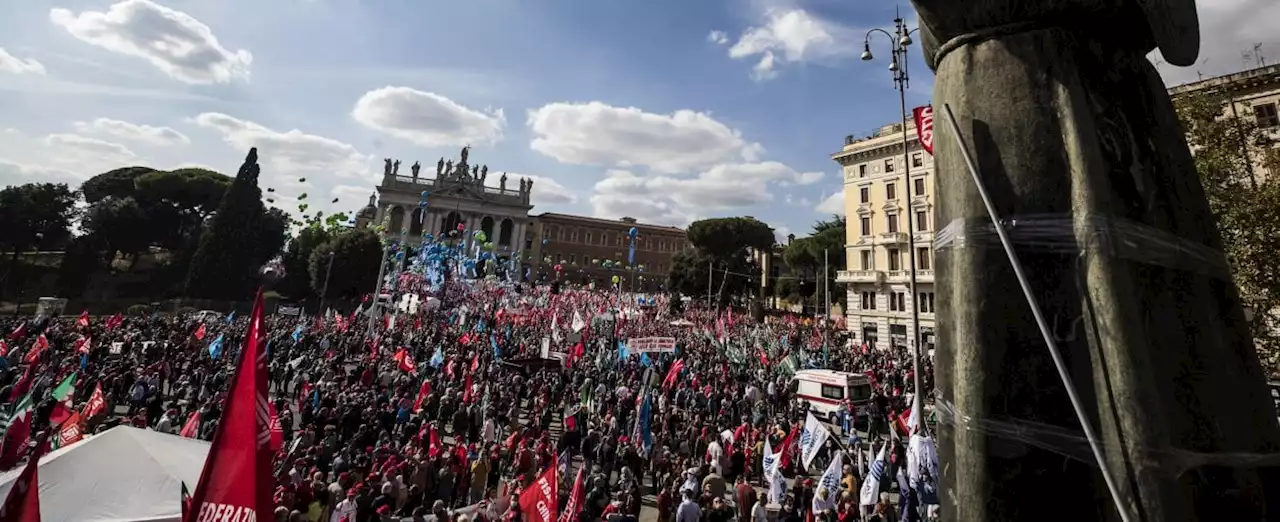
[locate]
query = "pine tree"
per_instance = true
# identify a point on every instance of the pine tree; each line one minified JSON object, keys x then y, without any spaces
{"x":230,"y":253}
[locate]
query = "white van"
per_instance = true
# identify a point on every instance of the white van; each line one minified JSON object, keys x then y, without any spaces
{"x":826,"y":390}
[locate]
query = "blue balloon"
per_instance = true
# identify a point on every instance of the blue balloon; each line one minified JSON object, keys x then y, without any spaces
{"x":633,"y":233}
{"x":545,"y":241}
{"x":425,"y":194}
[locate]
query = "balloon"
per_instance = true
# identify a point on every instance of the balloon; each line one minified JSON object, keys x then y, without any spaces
{"x":488,"y":245}
{"x":422,"y":204}
{"x":425,"y":194}
{"x":481,"y":236}
{"x":302,"y":180}
{"x":461,"y":227}
{"x":615,"y":280}
{"x":559,"y":268}
{"x":335,"y":200}
{"x":271,"y":190}
{"x":633,"y":233}
{"x":545,"y":241}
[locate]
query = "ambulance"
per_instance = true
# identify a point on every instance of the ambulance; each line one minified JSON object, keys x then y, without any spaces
{"x":826,"y":391}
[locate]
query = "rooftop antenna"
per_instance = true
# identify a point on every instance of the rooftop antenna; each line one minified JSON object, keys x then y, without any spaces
{"x":1257,"y":54}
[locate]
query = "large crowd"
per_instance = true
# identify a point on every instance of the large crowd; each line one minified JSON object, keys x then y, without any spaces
{"x":450,"y":410}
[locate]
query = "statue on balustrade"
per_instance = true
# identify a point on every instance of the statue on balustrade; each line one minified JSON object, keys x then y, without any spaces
{"x":522,"y":185}
{"x":395,"y":168}
{"x":502,"y":182}
{"x":484,"y":173}
{"x":462,"y":158}
{"x":386,"y":168}
{"x":415,"y":168}
{"x":475,"y":173}
{"x":448,"y":169}
{"x":440,"y":167}
{"x":529,"y":186}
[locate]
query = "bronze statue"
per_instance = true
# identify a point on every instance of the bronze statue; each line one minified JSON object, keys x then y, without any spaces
{"x":415,"y":168}
{"x":462,"y":158}
{"x":440,"y":167}
{"x":523,"y":182}
{"x":386,"y":168}
{"x":502,"y":182}
{"x":1069,"y":122}
{"x":395,"y":168}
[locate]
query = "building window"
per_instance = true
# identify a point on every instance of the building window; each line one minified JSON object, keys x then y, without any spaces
{"x":574,"y":236}
{"x":926,"y":302}
{"x":902,"y":302}
{"x":897,"y":302}
{"x":890,"y":191}
{"x":922,"y":221}
{"x":588,"y":238}
{"x":893,"y":222}
{"x":868,"y":300}
{"x":1266,"y":116}
{"x":917,"y":160}
{"x":922,"y":258}
{"x":919,"y":186}
{"x":862,"y":170}
{"x":573,"y":259}
{"x":888,"y":165}
{"x":866,"y":226}
{"x":866,"y":260}
{"x":895,"y":263}
{"x":864,"y":195}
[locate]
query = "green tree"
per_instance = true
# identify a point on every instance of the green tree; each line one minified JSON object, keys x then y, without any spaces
{"x":34,"y":216}
{"x":120,"y":225}
{"x":297,"y":262}
{"x":356,"y":254}
{"x":1231,"y":155}
{"x":726,"y":245}
{"x":118,"y":183}
{"x":239,"y":240}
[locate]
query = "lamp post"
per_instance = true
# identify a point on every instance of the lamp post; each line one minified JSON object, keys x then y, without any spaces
{"x":899,"y":40}
{"x":324,"y":290}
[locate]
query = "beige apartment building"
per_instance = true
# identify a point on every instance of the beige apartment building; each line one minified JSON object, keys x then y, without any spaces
{"x":882,"y":190}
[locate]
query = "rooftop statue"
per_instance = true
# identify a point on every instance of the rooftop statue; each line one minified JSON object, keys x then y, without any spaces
{"x":386,"y":168}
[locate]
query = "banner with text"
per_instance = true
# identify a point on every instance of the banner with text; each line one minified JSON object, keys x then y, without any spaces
{"x":652,"y":344}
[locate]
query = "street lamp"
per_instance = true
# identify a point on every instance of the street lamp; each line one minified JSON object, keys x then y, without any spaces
{"x":899,"y":40}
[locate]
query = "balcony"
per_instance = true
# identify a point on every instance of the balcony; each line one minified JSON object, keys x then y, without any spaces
{"x":902,"y":276}
{"x":890,"y":238}
{"x":860,"y":276}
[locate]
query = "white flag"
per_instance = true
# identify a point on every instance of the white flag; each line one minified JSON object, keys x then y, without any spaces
{"x":871,"y":486}
{"x":555,"y":329}
{"x":777,"y":483}
{"x":829,"y":487}
{"x":812,"y":438}
{"x":578,"y":324}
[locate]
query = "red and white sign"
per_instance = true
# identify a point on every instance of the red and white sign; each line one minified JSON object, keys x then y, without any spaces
{"x":539,"y":501}
{"x":924,"y":126}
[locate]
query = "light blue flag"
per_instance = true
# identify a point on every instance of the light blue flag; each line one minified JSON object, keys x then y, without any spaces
{"x":436,"y":359}
{"x":623,"y":351}
{"x":215,"y":348}
{"x":231,"y":317}
{"x":297,"y":334}
{"x":644,"y":360}
{"x":497,"y":352}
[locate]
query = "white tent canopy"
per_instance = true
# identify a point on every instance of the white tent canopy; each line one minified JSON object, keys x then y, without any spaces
{"x":122,"y":474}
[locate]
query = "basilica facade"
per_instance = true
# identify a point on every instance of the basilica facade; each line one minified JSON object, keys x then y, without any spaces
{"x":457,"y":193}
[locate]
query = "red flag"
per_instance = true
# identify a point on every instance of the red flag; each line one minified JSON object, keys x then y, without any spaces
{"x":466,"y":390}
{"x":83,"y":345}
{"x":114,"y":321}
{"x":191,"y":429}
{"x":19,"y":333}
{"x":4,"y":349}
{"x":475,"y":362}
{"x":15,"y":439}
{"x":673,"y":374}
{"x":199,"y":333}
{"x":538,"y":502}
{"x":83,"y":320}
{"x":576,"y":497}
{"x":789,"y":446}
{"x":186,"y":500}
{"x":37,"y":348}
{"x":97,"y":404}
{"x":71,"y":432}
{"x":277,"y":431}
{"x":23,"y":502}
{"x":423,"y":392}
{"x":405,"y":361}
{"x":237,"y":480}
{"x":433,"y":443}
{"x":924,"y":126}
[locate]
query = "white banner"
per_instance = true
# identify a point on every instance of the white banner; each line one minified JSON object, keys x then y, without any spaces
{"x":812,"y":439}
{"x":652,"y":344}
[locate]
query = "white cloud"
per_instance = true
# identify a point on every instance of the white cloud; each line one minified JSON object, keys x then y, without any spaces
{"x":1228,"y":28}
{"x":546,"y":191}
{"x":598,"y":134}
{"x":833,"y":204}
{"x":14,"y":173}
{"x":89,"y":146}
{"x":292,"y":153}
{"x":12,"y":64}
{"x":174,"y":42}
{"x":133,"y":132}
{"x":718,"y":37}
{"x":427,"y":119}
{"x":791,"y":35}
{"x":677,"y":201}
{"x":780,"y":234}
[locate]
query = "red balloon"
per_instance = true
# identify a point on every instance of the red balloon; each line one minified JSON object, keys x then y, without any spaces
{"x":559,"y":268}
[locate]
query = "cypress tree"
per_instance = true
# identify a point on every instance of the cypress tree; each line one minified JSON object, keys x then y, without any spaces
{"x":228,"y":258}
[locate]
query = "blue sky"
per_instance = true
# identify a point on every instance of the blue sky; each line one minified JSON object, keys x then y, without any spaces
{"x":665,"y":110}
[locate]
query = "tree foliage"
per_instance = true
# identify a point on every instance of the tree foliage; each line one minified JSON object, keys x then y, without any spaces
{"x":297,"y":262}
{"x":805,"y":256}
{"x":723,"y":245}
{"x":356,"y":254}
{"x":35,"y":215}
{"x":241,"y":237}
{"x":1232,"y":155}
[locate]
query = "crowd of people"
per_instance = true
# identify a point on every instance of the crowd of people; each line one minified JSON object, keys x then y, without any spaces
{"x":450,"y":410}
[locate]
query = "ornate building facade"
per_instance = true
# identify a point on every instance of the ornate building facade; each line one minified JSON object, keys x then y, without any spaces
{"x":593,"y":250}
{"x":458,"y":193}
